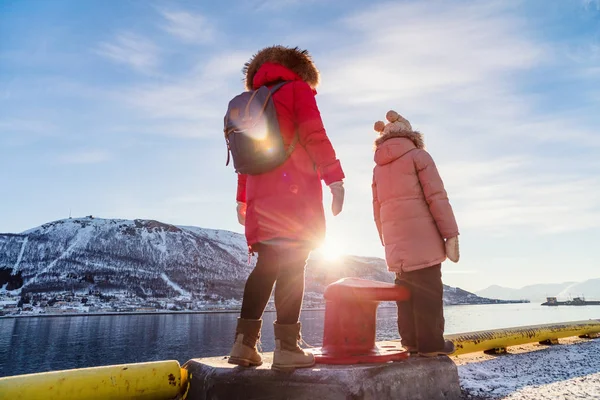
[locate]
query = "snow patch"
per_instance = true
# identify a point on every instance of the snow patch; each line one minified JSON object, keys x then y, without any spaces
{"x":20,"y":257}
{"x":174,"y":285}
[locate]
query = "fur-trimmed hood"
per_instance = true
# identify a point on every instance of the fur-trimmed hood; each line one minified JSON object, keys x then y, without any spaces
{"x":415,"y":136}
{"x":294,"y":59}
{"x":393,"y":145}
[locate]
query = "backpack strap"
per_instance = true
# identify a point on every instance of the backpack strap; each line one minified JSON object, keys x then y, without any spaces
{"x":271,"y":93}
{"x":293,"y":144}
{"x":277,"y":87}
{"x":296,"y":138}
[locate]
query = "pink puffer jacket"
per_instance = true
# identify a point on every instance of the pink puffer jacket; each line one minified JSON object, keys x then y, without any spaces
{"x":411,"y":207}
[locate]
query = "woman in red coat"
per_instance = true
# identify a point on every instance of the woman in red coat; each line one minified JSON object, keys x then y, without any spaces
{"x":282,"y":209}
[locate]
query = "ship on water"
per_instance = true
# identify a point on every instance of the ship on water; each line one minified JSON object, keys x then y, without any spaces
{"x":577,"y":301}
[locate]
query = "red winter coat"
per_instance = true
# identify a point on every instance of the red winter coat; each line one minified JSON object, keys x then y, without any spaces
{"x":287,"y":202}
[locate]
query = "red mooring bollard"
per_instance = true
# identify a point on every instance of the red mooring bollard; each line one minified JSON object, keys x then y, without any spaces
{"x":351,"y":319}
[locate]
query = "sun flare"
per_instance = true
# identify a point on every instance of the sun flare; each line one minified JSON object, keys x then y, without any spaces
{"x":331,"y":251}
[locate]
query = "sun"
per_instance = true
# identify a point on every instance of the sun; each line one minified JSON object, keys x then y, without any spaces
{"x":330,"y":251}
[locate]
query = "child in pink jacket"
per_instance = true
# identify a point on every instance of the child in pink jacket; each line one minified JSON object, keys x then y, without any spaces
{"x":418,"y":229}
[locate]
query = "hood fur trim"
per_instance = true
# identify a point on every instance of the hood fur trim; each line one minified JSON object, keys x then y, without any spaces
{"x":296,"y":60}
{"x":416,"y":137}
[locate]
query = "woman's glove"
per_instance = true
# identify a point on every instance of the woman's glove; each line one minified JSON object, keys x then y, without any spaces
{"x":241,"y":212}
{"x":452,"y":251}
{"x":337,"y":193}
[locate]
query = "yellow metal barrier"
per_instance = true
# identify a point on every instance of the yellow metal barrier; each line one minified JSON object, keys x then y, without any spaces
{"x":501,"y":338}
{"x":159,"y":380}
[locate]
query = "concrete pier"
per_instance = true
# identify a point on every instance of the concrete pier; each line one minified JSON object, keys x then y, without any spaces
{"x":414,"y":379}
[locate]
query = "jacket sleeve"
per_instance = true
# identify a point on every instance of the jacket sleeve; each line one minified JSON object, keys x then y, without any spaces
{"x":377,"y":210}
{"x":241,"y":188}
{"x":436,"y":195}
{"x":312,"y":134}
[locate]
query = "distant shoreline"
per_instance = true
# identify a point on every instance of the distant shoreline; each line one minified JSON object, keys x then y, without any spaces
{"x":104,"y":314}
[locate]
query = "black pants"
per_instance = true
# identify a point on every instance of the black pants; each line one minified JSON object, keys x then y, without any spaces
{"x":281,"y":263}
{"x":421,"y":319}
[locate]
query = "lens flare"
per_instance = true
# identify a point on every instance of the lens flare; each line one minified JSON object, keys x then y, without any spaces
{"x":330,"y":251}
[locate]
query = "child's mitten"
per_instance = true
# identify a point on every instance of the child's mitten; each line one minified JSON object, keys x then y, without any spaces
{"x":337,"y":193}
{"x":452,"y":251}
{"x":241,"y":212}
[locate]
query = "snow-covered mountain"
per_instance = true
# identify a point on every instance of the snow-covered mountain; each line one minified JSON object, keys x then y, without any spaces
{"x":150,"y":259}
{"x":589,"y":289}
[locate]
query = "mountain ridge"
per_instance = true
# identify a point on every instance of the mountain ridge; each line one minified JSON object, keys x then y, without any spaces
{"x":590,"y":289}
{"x":146,"y":263}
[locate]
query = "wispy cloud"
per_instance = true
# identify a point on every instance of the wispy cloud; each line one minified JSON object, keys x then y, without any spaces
{"x":132,"y":50}
{"x":458,"y":75}
{"x":188,"y":104}
{"x":275,"y":5}
{"x":500,"y":195}
{"x":428,"y":52}
{"x":22,"y":132}
{"x":189,"y":27}
{"x":592,"y":4}
{"x":25,"y":126}
{"x":84,"y":157}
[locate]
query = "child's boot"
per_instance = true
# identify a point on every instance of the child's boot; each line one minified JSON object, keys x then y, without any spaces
{"x":244,"y":351}
{"x":446,"y":351}
{"x":287,"y":352}
{"x":411,"y":349}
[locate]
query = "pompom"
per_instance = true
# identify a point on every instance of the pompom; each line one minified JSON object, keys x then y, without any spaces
{"x":379,"y":126}
{"x":392,"y":116}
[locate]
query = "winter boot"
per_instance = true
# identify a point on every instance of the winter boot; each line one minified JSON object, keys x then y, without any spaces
{"x":411,"y":349}
{"x":446,"y":351}
{"x":244,"y":351}
{"x":288,"y":354}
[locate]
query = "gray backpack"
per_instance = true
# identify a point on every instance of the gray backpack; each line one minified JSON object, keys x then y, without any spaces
{"x":252,"y":132}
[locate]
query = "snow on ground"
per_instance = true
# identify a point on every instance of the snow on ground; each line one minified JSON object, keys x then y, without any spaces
{"x":566,"y":371}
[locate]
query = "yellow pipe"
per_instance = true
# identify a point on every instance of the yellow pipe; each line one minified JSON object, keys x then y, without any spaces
{"x":159,"y":380}
{"x":471,"y":342}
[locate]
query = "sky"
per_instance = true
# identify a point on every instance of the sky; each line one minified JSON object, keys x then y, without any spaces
{"x":115,"y":108}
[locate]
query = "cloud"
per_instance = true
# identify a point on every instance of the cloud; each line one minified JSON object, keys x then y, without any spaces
{"x":592,"y":4}
{"x":186,"y":104}
{"x":277,"y":5}
{"x":132,"y":50}
{"x":84,"y":157}
{"x":460,"y":75}
{"x":177,"y":105}
{"x":193,"y":28}
{"x":25,"y":126}
{"x":23,"y":132}
{"x":500,"y":195}
{"x":427,"y":52}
